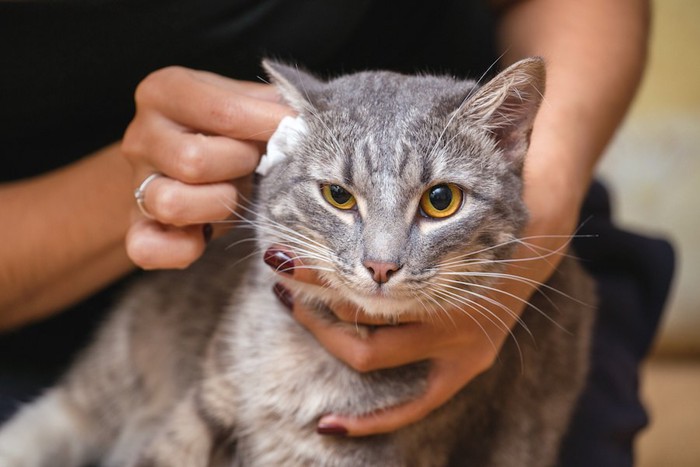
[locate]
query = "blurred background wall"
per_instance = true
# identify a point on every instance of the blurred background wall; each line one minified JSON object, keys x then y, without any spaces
{"x":653,"y":166}
{"x":653,"y":170}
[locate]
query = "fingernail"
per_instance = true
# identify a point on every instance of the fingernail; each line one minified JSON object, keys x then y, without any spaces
{"x":331,"y":430}
{"x":279,"y":260}
{"x":284,"y":295}
{"x":207,"y":231}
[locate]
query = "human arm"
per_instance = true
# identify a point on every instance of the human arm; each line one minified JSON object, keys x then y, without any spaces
{"x":63,"y":236}
{"x":595,"y":52}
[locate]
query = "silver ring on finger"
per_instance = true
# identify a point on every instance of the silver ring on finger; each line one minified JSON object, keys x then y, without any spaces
{"x":140,"y":194}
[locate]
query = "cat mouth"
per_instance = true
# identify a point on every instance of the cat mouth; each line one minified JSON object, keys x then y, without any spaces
{"x":386,"y":299}
{"x":385,"y":302}
{"x":382,"y":291}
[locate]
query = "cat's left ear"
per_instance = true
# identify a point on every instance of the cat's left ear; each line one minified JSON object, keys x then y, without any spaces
{"x":506,"y":107}
{"x":298,"y":87}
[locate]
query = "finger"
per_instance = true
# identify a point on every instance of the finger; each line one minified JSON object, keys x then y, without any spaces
{"x":199,"y":104}
{"x":443,"y":383}
{"x":283,"y":261}
{"x":190,"y":157}
{"x":175,"y":203}
{"x":152,"y":245}
{"x":262,"y":91}
{"x":369,"y":349}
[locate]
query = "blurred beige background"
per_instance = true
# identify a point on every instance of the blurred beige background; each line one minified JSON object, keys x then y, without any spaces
{"x":653,"y":168}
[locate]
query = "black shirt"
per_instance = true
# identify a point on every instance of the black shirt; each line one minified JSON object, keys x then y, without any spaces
{"x":69,"y":68}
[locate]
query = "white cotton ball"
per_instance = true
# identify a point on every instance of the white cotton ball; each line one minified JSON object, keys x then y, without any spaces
{"x":286,"y":136}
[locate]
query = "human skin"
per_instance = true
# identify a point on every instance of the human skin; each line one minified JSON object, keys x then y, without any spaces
{"x":63,"y":236}
{"x":595,"y":52}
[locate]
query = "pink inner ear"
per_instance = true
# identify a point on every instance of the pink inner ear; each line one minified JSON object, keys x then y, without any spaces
{"x":512,"y":125}
{"x":514,"y":146}
{"x":507,"y":105}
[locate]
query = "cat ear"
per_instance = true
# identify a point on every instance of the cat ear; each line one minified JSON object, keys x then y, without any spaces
{"x":506,"y":107}
{"x":296,"y":86}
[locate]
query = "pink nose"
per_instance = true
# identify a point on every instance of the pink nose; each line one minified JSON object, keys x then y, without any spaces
{"x":381,"y":271}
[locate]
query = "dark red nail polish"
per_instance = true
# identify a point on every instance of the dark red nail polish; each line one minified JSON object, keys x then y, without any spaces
{"x":207,"y":231}
{"x":284,"y":295}
{"x":332,"y":430}
{"x":279,"y":260}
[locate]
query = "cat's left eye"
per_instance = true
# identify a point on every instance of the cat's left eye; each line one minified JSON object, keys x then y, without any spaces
{"x":338,"y":196}
{"x":441,"y":200}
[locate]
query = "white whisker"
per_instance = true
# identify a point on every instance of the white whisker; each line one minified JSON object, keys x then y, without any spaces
{"x":525,"y":280}
{"x":486,"y":313}
{"x":460,"y":304}
{"x":441,"y":307}
{"x":488,"y":299}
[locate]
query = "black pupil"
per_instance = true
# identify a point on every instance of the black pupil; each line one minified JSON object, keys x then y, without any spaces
{"x":440,"y":197}
{"x":339,"y":194}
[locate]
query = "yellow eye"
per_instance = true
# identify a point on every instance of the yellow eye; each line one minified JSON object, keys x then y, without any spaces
{"x":338,"y":196}
{"x":441,"y":200}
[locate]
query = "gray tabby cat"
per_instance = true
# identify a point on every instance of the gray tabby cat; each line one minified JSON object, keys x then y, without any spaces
{"x":405,"y":193}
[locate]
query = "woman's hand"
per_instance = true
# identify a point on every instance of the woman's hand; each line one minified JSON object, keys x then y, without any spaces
{"x":205,"y":134}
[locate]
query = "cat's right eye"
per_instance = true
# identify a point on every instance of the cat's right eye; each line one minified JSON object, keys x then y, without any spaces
{"x":338,"y":197}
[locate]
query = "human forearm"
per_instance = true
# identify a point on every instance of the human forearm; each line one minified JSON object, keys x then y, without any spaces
{"x":67,"y":236}
{"x":595,"y":53}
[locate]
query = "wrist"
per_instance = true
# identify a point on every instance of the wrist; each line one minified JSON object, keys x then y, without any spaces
{"x":554,"y":191}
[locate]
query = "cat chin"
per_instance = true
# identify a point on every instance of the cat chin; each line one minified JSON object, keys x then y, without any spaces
{"x":389,"y":308}
{"x":377,"y":305}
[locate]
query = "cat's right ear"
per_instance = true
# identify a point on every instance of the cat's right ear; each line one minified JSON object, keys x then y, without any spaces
{"x":297,"y":87}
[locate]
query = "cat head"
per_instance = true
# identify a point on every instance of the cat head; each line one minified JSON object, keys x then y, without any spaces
{"x":401,"y":189}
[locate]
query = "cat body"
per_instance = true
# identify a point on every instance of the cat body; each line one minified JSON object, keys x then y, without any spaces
{"x":205,"y":367}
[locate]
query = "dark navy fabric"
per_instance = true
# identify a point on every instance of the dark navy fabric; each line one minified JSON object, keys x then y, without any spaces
{"x":634,"y":275}
{"x":68,"y":72}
